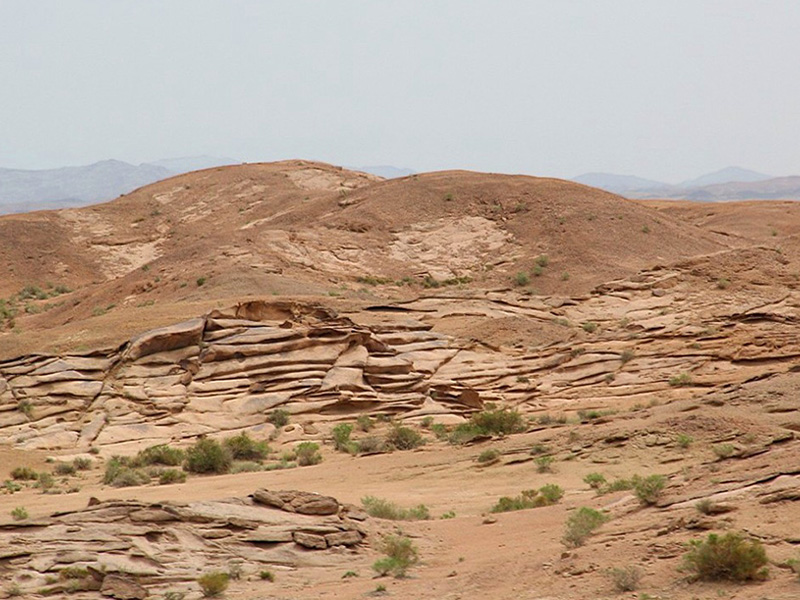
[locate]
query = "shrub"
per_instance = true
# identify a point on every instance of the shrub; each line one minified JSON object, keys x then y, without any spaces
{"x":307,"y":453}
{"x":63,"y":468}
{"x":267,"y":575}
{"x":26,"y":408}
{"x":683,"y":440}
{"x":683,"y":379}
{"x":522,"y":279}
{"x":538,"y":449}
{"x":372,"y":444}
{"x":364,"y":423}
{"x":542,"y":260}
{"x":648,"y":489}
{"x":44,"y":481}
{"x":128,"y":477}
{"x":401,"y":554}
{"x":501,"y":421}
{"x":580,"y":525}
{"x":246,"y":466}
{"x":704,"y":506}
{"x":625,"y":579}
{"x":208,"y":456}
{"x":544,"y":496}
{"x":730,"y":557}
{"x":439,"y":430}
{"x":82,"y":463}
{"x":463,"y":433}
{"x":384,"y":509}
{"x":595,"y":480}
{"x":279,"y":418}
{"x":404,"y":438}
{"x":20,"y":513}
{"x":162,"y":454}
{"x":243,"y":447}
{"x":618,"y":485}
{"x":724,"y":450}
{"x":168,"y":476}
{"x":214,"y":583}
{"x":544,"y":463}
{"x":24,"y":474}
{"x":589,"y":327}
{"x":488,"y":456}
{"x":341,"y":438}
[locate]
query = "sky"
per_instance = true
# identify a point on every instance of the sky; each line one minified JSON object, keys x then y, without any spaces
{"x":665,"y":90}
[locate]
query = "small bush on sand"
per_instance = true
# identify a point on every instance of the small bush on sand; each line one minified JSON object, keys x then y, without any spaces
{"x":488,"y":456}
{"x":384,"y":509}
{"x":279,"y":418}
{"x":502,"y":421}
{"x":243,"y":447}
{"x":24,"y":474}
{"x":307,"y":453}
{"x":730,"y":556}
{"x":401,"y":555}
{"x":625,"y":579}
{"x":208,"y":456}
{"x":20,"y":513}
{"x":341,"y":438}
{"x":162,"y":454}
{"x":168,"y":476}
{"x":595,"y":480}
{"x":64,"y":469}
{"x":214,"y":583}
{"x":580,"y":525}
{"x":544,"y":496}
{"x":648,"y":489}
{"x":404,"y":438}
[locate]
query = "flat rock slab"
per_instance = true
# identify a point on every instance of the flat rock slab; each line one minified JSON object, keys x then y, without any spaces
{"x":305,"y":503}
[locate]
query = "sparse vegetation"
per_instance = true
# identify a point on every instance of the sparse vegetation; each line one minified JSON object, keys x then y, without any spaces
{"x":683,"y":440}
{"x":341,"y":438}
{"x":266,"y":575}
{"x":364,"y":423}
{"x":279,"y":418}
{"x":489,"y":455}
{"x":201,"y":281}
{"x":24,"y":474}
{"x":596,"y":481}
{"x":723,"y":451}
{"x":243,"y":447}
{"x":401,"y":555}
{"x":544,"y":496}
{"x":384,"y":509}
{"x":581,"y":524}
{"x":589,"y":327}
{"x":214,"y":583}
{"x":682,"y":380}
{"x":169,"y":476}
{"x":728,"y":557}
{"x":522,"y":279}
{"x":161,"y":454}
{"x":81,"y":463}
{"x":404,"y":438}
{"x":64,"y":469}
{"x":544,"y":463}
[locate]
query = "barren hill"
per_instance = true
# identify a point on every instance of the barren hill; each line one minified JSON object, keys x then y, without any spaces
{"x":450,"y":343}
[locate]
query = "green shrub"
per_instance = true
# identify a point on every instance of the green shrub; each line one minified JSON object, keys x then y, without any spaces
{"x":683,"y":440}
{"x":208,"y":456}
{"x":243,"y":447}
{"x":44,"y":481}
{"x":246,"y":466}
{"x":724,"y":450}
{"x":364,"y":423}
{"x":522,"y":279}
{"x":162,"y":454}
{"x":307,"y":453}
{"x":439,"y":430}
{"x":64,"y":468}
{"x":539,"y":449}
{"x":20,"y":513}
{"x":24,"y":474}
{"x":168,"y":476}
{"x":730,"y":557}
{"x":542,"y":260}
{"x":214,"y":583}
{"x":82,"y":463}
{"x":544,"y":496}
{"x":684,"y":379}
{"x":267,"y":575}
{"x":501,"y":421}
{"x":404,"y":438}
{"x":544,"y":463}
{"x":463,"y":433}
{"x":128,"y":477}
{"x":596,"y":481}
{"x":580,"y":525}
{"x":625,"y":579}
{"x":384,"y":509}
{"x":341,"y":438}
{"x":372,"y":444}
{"x":488,"y":456}
{"x":589,"y":327}
{"x":704,"y":506}
{"x":26,"y":408}
{"x":401,"y":554}
{"x":279,"y":418}
{"x":648,"y":489}
{"x":618,"y":485}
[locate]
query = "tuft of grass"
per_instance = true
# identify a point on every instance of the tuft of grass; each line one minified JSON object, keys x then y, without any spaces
{"x":704,"y":506}
{"x":169,"y":476}
{"x":682,"y":380}
{"x":341,"y":438}
{"x":214,"y":583}
{"x":489,"y":456}
{"x":364,"y":423}
{"x":683,"y":440}
{"x":82,"y":463}
{"x":401,"y":555}
{"x":267,"y":575}
{"x":728,"y":557}
{"x":24,"y":474}
{"x":64,"y":469}
{"x":723,"y":451}
{"x":596,"y":481}
{"x":580,"y":525}
{"x":522,"y":279}
{"x":20,"y":513}
{"x":590,"y":327}
{"x":384,"y":509}
{"x":26,"y":408}
{"x":208,"y":456}
{"x":544,"y":463}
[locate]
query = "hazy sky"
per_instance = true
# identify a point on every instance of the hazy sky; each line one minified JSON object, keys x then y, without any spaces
{"x":662,"y":89}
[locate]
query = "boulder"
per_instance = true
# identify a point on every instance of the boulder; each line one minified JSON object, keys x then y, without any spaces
{"x":305,"y":503}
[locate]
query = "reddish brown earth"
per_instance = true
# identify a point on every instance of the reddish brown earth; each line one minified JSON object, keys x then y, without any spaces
{"x":332,"y":294}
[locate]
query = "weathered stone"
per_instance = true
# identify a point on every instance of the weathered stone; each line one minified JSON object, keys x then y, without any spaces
{"x":122,"y":588}
{"x":166,"y":338}
{"x":310,"y":540}
{"x":343,"y":538}
{"x":307,"y":503}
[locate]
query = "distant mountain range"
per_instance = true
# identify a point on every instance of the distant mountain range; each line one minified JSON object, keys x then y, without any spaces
{"x":731,"y":183}
{"x":27,"y":190}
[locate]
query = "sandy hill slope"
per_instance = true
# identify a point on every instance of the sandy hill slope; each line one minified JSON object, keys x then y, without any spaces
{"x":339,"y":320}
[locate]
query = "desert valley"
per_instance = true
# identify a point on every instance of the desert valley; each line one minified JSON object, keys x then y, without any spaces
{"x":294,"y":380}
